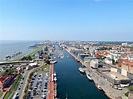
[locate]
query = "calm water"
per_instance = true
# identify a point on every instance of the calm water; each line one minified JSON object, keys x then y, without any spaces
{"x":10,"y":47}
{"x":72,"y":83}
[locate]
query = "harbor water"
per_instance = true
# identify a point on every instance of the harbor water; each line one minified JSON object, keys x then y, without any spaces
{"x":11,"y":47}
{"x":71,"y":83}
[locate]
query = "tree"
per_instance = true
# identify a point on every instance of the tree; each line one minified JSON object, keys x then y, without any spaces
{"x":47,"y":61}
{"x":113,"y":62}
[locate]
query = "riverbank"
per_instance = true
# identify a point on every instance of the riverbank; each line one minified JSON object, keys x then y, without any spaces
{"x":109,"y":91}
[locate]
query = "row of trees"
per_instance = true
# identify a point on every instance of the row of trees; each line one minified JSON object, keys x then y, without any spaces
{"x":27,"y":58}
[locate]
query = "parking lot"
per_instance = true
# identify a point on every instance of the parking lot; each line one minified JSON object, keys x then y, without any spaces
{"x":39,"y":86}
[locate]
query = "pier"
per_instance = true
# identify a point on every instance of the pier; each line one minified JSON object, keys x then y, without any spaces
{"x":52,"y":84}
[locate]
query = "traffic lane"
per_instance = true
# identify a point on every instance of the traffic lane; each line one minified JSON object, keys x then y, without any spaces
{"x":19,"y":88}
{"x":25,"y":83}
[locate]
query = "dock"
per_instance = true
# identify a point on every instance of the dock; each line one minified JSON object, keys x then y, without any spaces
{"x":52,"y":84}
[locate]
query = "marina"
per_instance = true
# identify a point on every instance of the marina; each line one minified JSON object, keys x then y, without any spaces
{"x":70,"y":79}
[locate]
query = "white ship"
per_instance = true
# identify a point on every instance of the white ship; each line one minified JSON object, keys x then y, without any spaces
{"x":81,"y":70}
{"x":89,"y":77}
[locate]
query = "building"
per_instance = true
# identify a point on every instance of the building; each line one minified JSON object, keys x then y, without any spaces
{"x":108,"y":61}
{"x":114,"y":77}
{"x":4,"y":81}
{"x":130,"y":95}
{"x":88,"y":59}
{"x":126,"y":64}
{"x":124,"y":44}
{"x":94,"y":63}
{"x":82,"y":56}
{"x":31,"y":65}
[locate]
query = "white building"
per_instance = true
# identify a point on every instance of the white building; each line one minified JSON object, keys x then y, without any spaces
{"x":94,"y":63}
{"x":124,"y":44}
{"x":31,"y":65}
{"x":108,"y":61}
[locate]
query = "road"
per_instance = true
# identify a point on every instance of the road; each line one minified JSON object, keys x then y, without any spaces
{"x":23,"y":86}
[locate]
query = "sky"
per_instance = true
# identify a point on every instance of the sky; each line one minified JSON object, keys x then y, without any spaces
{"x":86,"y":20}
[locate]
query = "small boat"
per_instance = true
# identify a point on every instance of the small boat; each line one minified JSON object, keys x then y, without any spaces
{"x":55,"y":79}
{"x":89,"y":77}
{"x":54,"y":74}
{"x":66,"y":96}
{"x":81,"y":70}
{"x":99,"y":87}
{"x":62,"y":56}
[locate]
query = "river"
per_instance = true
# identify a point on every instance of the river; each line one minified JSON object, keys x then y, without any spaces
{"x":73,"y":84}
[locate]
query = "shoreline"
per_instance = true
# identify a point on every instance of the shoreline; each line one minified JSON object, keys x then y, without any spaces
{"x":94,"y":80}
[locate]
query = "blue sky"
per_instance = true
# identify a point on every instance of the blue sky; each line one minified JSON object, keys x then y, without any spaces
{"x":108,"y":20}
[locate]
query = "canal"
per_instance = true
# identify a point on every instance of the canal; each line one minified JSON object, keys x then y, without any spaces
{"x":73,"y":84}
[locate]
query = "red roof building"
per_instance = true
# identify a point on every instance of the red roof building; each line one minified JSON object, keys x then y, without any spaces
{"x":4,"y":80}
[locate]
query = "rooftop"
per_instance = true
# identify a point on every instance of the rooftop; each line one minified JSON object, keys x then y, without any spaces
{"x":117,"y":76}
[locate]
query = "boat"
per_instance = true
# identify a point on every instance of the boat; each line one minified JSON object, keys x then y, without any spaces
{"x":62,"y":56}
{"x":55,"y":79}
{"x":81,"y":70}
{"x":99,"y":87}
{"x":54,"y":74}
{"x":33,"y":46}
{"x":66,"y":96}
{"x":89,"y":77}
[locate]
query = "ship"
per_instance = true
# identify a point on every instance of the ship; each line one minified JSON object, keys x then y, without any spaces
{"x":99,"y":87}
{"x":81,"y":70}
{"x":89,"y":77}
{"x":33,"y":46}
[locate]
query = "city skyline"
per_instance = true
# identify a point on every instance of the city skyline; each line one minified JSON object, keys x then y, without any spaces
{"x":89,"y":20}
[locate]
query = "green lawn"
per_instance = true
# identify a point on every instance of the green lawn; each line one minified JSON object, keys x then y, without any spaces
{"x":16,"y":83}
{"x":1,"y":94}
{"x":35,"y":51}
{"x":7,"y":95}
{"x":30,"y":54}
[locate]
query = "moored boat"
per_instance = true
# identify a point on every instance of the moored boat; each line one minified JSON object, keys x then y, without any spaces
{"x":99,"y":87}
{"x":89,"y":77}
{"x":81,"y":70}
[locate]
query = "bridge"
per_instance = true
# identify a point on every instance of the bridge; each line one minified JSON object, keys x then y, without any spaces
{"x":14,"y":62}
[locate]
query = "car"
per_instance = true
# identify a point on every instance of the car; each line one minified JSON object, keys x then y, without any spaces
{"x":17,"y":97}
{"x":40,"y":75}
{"x":21,"y":82}
{"x":115,"y":86}
{"x":35,"y":87}
{"x":17,"y":93}
{"x":43,"y":96}
{"x":119,"y":88}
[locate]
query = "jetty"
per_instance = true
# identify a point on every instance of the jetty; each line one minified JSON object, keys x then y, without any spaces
{"x":52,"y":85}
